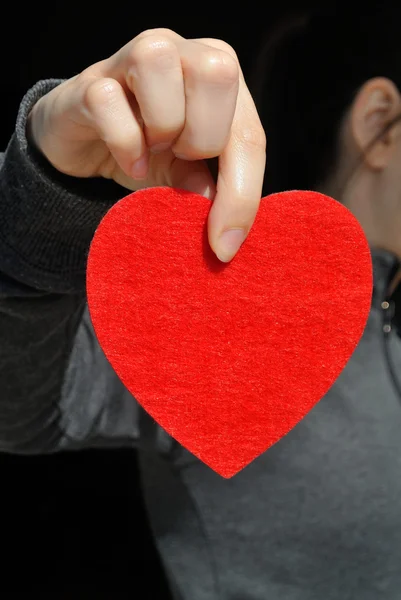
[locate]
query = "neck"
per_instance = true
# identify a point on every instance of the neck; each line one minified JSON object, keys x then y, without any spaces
{"x":377,"y":212}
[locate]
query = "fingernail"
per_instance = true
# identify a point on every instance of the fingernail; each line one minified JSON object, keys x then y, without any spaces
{"x":197,"y":183}
{"x":140,"y":168}
{"x":229,"y":243}
{"x":158,"y":148}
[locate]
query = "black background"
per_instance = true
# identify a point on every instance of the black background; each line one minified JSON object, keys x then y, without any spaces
{"x":73,"y":525}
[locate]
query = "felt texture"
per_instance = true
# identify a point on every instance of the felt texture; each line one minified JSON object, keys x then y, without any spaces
{"x":228,"y":358}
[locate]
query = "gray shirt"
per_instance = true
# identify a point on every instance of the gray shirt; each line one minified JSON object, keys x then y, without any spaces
{"x":318,"y":516}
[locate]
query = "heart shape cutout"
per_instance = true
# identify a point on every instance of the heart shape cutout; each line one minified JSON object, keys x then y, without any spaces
{"x":228,"y":358}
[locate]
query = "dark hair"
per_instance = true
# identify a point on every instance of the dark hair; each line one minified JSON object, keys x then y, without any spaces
{"x":307,"y":76}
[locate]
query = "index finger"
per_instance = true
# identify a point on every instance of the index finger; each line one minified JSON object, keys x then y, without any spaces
{"x":240,"y":176}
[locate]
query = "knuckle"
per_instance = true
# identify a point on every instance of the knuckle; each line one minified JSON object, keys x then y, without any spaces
{"x":221,"y":45}
{"x":153,"y":49}
{"x":100,"y":93}
{"x":253,"y":137}
{"x":156,"y":31}
{"x":218,"y":67}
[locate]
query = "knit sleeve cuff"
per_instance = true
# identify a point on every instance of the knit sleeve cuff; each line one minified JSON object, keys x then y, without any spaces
{"x":47,"y":219}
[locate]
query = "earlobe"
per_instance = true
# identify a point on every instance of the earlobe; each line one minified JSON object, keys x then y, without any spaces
{"x":375,"y":107}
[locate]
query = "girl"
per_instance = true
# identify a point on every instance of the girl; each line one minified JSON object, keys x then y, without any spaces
{"x":318,"y":515}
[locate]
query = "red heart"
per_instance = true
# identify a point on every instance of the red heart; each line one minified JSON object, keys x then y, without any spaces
{"x":228,"y":358}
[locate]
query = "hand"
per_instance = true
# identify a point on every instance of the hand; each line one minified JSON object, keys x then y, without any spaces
{"x":150,"y":115}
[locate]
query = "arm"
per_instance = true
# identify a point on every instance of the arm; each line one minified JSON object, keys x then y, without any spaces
{"x":57,"y":389}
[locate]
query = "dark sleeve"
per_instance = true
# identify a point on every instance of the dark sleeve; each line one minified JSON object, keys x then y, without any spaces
{"x":57,"y":390}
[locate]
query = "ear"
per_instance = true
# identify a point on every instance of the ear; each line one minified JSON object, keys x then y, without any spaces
{"x":376,"y":105}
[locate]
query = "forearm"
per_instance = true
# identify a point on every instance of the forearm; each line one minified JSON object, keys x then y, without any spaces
{"x":37,"y":334}
{"x":46,"y":224}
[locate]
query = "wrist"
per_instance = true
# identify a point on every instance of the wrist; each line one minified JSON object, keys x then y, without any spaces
{"x":34,"y":124}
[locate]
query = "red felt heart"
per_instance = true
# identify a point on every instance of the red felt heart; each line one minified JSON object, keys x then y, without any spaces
{"x":228,"y":358}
